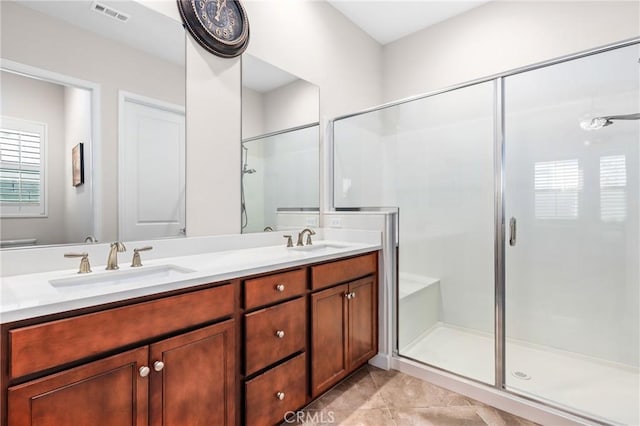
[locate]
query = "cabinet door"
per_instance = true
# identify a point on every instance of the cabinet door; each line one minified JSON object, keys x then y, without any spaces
{"x":329,"y":339}
{"x":195,"y":384}
{"x":105,"y":392}
{"x":363,"y":316}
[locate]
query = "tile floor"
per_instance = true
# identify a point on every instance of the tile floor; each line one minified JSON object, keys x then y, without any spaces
{"x":375,"y":397}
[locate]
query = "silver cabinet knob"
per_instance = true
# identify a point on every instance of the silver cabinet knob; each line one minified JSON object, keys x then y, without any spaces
{"x":353,"y":294}
{"x":144,"y":371}
{"x":158,"y":365}
{"x":280,"y":287}
{"x":280,"y":395}
{"x":280,"y":334}
{"x":347,"y":295}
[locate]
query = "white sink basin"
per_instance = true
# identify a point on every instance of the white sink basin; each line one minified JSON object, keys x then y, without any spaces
{"x":316,"y":247}
{"x":123,"y":277}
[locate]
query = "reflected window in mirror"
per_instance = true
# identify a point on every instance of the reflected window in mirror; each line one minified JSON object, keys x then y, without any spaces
{"x":81,"y":73}
{"x":280,"y":149}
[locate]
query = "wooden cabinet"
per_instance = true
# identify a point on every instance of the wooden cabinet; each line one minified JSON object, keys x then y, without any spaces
{"x":280,"y":390}
{"x":274,"y":333}
{"x":187,"y":379}
{"x":344,"y":331}
{"x":193,"y":378}
{"x":268,"y":343}
{"x":105,"y":392}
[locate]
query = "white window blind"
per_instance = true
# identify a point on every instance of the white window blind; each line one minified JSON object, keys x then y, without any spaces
{"x":613,"y":192}
{"x":22,"y":146}
{"x":557,"y":187}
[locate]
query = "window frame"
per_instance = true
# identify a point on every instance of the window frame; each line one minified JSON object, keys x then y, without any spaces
{"x":29,"y":210}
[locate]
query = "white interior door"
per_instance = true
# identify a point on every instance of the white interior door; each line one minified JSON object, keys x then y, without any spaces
{"x":151,"y":169}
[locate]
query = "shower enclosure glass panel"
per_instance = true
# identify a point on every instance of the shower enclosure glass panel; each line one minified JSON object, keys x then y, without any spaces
{"x":433,"y":159}
{"x":279,"y":177}
{"x":572,"y":273}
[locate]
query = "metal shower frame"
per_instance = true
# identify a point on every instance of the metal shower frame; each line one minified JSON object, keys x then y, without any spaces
{"x":499,"y":212}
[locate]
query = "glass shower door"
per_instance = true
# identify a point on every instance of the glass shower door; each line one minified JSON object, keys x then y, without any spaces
{"x":433,"y":159}
{"x":572,"y":236}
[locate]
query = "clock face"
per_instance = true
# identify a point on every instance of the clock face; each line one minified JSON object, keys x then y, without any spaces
{"x":221,"y":18}
{"x":220,"y":26}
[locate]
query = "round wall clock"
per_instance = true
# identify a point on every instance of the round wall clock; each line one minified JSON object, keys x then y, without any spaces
{"x":220,"y":26}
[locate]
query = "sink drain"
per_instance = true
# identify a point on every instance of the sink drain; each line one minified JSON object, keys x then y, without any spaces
{"x":521,"y":375}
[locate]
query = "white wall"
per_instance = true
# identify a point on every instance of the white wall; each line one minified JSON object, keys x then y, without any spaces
{"x":292,"y":105}
{"x":499,"y":36}
{"x":78,"y":199}
{"x":41,"y":101}
{"x":32,"y":38}
{"x":252,"y":113}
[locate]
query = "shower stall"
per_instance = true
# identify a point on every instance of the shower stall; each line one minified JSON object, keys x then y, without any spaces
{"x":518,"y":251}
{"x":279,"y":172}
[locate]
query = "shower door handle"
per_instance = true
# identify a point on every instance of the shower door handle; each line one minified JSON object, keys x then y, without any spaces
{"x":512,"y":231}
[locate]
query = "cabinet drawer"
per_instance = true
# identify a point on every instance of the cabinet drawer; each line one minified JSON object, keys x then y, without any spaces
{"x":343,"y":270}
{"x":272,"y":288}
{"x":264,"y":346}
{"x":47,"y":345}
{"x":263,"y":405}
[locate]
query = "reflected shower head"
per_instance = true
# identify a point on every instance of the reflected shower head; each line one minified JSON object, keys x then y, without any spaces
{"x":248,"y":171}
{"x":600,"y":122}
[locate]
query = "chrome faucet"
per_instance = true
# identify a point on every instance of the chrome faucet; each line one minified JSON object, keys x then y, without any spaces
{"x":112,"y":260}
{"x":90,"y":239}
{"x":301,"y":235}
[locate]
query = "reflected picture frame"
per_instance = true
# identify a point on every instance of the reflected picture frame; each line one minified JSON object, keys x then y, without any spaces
{"x":77,"y":164}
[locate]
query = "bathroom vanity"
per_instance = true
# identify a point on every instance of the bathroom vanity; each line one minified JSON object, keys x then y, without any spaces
{"x":239,"y":350}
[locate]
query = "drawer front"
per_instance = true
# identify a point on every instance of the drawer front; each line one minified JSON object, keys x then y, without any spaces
{"x":272,"y":288}
{"x":274,"y":333}
{"x":263,"y":393}
{"x":47,"y":345}
{"x":343,"y":270}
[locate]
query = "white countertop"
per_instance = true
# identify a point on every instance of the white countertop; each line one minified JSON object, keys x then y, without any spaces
{"x":32,"y":295}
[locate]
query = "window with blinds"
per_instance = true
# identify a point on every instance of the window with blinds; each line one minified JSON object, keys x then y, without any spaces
{"x":557,"y":188}
{"x":22,"y":147}
{"x":613,"y":188}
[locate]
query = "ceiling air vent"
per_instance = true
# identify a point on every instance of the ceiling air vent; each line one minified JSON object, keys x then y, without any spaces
{"x":109,"y":11}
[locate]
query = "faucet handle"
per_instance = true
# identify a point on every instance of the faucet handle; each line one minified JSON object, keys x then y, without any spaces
{"x":312,"y":232}
{"x":135,"y":262}
{"x":85,"y":267}
{"x":289,"y":240}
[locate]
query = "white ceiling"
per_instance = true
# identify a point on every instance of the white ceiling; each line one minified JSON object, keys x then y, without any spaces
{"x":145,"y":30}
{"x":390,"y":20}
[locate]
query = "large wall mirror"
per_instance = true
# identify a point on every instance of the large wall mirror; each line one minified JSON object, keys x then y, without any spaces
{"x":92,"y":123}
{"x":280,"y":149}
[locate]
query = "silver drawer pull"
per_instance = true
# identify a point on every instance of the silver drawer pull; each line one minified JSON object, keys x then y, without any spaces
{"x":158,"y":365}
{"x":280,"y":334}
{"x":144,"y":371}
{"x":280,"y":395}
{"x":280,"y":287}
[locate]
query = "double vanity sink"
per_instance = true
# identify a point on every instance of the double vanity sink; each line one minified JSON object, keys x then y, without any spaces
{"x":149,"y":275}
{"x":234,"y":337}
{"x":29,"y":295}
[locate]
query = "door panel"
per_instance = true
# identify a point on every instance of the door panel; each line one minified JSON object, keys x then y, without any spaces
{"x":572,"y":272}
{"x":196,"y":386}
{"x":105,"y":392}
{"x":328,"y":345}
{"x":152,"y":171}
{"x":362,"y":321}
